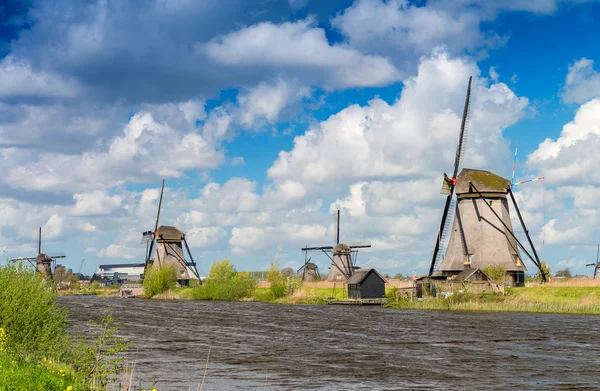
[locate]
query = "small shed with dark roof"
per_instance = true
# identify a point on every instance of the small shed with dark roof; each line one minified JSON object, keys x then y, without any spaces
{"x":366,"y":284}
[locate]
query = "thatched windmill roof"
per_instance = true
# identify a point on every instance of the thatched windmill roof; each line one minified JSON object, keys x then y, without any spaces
{"x":168,"y":234}
{"x":484,"y":181}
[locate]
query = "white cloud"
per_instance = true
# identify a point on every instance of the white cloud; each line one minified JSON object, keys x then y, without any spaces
{"x":300,"y":45}
{"x":97,"y":202}
{"x":18,"y":80}
{"x":146,"y":149}
{"x":237,"y":161}
{"x":572,"y":158}
{"x":494,"y":75}
{"x":266,"y":101}
{"x":413,"y":137}
{"x":582,"y":83}
{"x":120,"y":252}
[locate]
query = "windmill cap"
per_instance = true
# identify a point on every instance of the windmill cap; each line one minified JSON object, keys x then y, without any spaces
{"x":167,"y":233}
{"x":484,"y":181}
{"x":341,"y":248}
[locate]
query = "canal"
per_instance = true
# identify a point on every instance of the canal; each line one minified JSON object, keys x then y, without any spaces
{"x":257,"y":346}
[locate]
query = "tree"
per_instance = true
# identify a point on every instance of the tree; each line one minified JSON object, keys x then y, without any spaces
{"x":60,"y":275}
{"x":546,"y":269}
{"x":399,"y":276}
{"x":222,"y":271}
{"x":288,"y":272}
{"x":566,"y":273}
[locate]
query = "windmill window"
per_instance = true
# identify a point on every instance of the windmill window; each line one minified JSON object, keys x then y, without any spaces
{"x":517,"y":260}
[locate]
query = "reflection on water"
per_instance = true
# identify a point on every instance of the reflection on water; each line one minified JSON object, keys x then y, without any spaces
{"x":289,"y":347}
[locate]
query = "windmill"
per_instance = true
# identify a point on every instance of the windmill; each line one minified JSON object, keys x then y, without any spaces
{"x":595,"y":265}
{"x":343,"y":258}
{"x":310,"y":271}
{"x":481,"y":234}
{"x":43,"y":263}
{"x":169,"y":249}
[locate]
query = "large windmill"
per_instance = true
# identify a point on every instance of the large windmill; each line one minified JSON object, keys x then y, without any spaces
{"x":482,"y":233}
{"x":43,"y":263}
{"x":343,"y":258}
{"x":169,"y":249}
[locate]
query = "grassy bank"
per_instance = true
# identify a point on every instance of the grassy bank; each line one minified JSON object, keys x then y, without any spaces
{"x":540,"y":299}
{"x":560,"y":299}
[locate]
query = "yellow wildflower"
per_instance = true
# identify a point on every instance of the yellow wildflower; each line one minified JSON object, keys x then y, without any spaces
{"x":69,"y":388}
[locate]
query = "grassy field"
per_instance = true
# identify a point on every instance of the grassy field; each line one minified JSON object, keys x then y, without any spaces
{"x":556,"y":298}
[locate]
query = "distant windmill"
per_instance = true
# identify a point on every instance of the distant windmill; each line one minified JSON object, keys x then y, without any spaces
{"x":343,"y":263}
{"x":310,"y":271}
{"x":169,"y":248}
{"x":482,"y":233}
{"x":43,"y":263}
{"x":597,"y":264}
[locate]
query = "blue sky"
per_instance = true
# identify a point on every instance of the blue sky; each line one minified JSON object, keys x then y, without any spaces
{"x":262,"y":116}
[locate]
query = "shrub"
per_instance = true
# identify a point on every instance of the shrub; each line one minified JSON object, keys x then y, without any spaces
{"x":225,"y":283}
{"x":277,"y":280}
{"x":29,"y":314}
{"x":496,"y":272}
{"x":159,"y":280}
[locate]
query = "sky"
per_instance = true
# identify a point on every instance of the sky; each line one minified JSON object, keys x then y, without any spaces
{"x":264,"y":117}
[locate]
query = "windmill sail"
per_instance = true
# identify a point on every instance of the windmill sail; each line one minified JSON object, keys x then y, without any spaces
{"x":447,"y":206}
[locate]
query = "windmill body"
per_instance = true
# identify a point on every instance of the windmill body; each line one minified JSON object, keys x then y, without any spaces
{"x":43,"y":264}
{"x":169,"y":252}
{"x":478,"y":238}
{"x":341,"y":263}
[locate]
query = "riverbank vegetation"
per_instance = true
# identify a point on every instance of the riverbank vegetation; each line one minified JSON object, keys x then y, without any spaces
{"x":36,"y":350}
{"x":561,"y":299}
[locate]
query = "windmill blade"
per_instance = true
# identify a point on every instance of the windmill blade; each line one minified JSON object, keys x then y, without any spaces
{"x":512,"y":181}
{"x":60,"y":254}
{"x":463,"y":130}
{"x":527,"y":181}
{"x":440,"y":235}
{"x":156,"y":225}
{"x":317,"y":248}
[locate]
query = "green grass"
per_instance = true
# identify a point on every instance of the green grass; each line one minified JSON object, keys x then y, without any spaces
{"x":18,"y":374}
{"x":540,"y":299}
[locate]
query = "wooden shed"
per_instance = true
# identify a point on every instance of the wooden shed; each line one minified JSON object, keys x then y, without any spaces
{"x":366,"y":284}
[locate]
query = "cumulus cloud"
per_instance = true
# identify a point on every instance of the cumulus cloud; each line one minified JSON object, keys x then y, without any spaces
{"x":572,"y":158}
{"x":266,"y":101}
{"x":19,"y":80}
{"x":97,"y":202}
{"x":582,"y":83}
{"x":413,"y":137}
{"x":146,"y":149}
{"x":272,"y":47}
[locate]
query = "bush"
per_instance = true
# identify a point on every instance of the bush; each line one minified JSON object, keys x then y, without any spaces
{"x":277,"y":280}
{"x":225,"y":283}
{"x":159,"y":280}
{"x":496,"y":272}
{"x":29,"y":313}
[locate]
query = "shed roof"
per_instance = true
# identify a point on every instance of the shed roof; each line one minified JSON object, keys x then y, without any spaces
{"x":467,"y":274}
{"x":361,"y":274}
{"x":166,"y":233}
{"x":484,"y":181}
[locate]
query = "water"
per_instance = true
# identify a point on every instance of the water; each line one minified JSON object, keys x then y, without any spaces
{"x":256,"y":346}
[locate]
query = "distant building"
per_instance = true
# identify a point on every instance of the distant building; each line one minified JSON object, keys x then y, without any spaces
{"x":126,"y":271}
{"x":366,"y":284}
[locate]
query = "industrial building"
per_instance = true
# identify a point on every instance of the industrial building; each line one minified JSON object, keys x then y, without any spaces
{"x":127,"y":271}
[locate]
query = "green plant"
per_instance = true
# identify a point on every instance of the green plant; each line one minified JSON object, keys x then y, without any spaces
{"x":29,"y":314}
{"x":159,"y":280}
{"x":222,"y":271}
{"x":277,"y":280}
{"x":225,"y":283}
{"x":102,"y":360}
{"x":496,"y":272}
{"x":545,"y":269}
